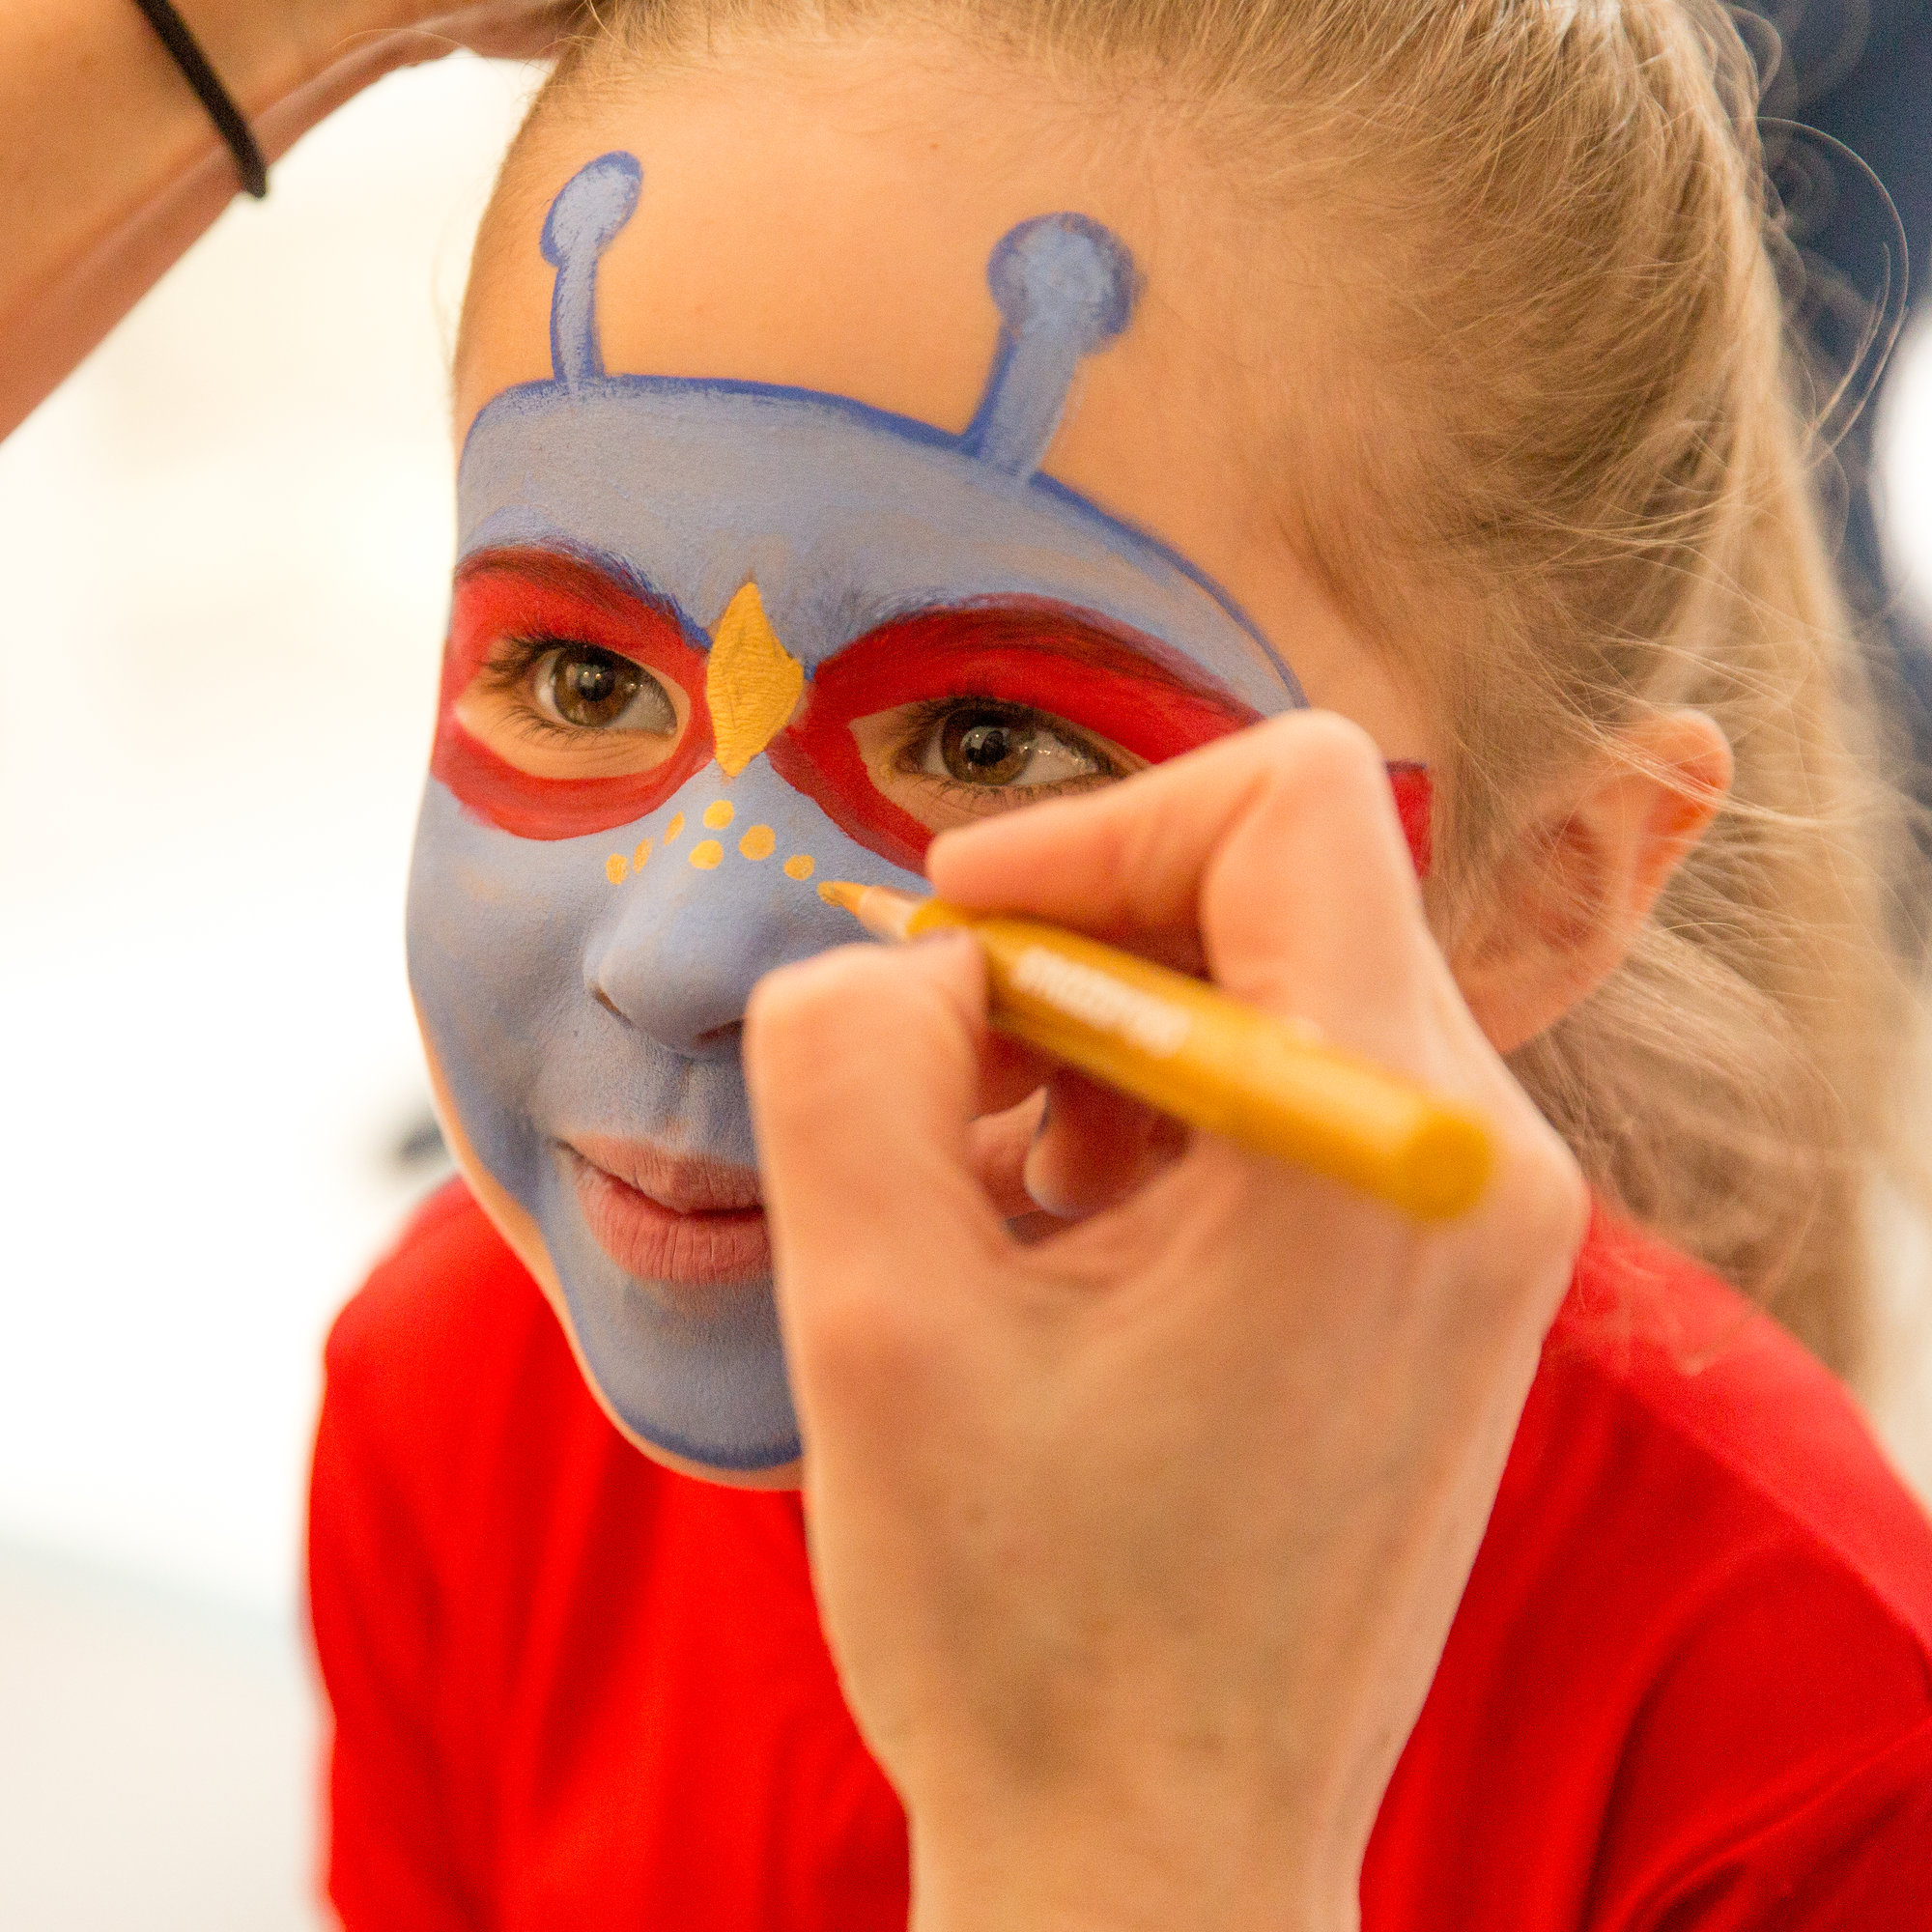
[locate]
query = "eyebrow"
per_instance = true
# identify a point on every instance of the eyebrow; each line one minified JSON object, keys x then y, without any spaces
{"x":576,"y":571}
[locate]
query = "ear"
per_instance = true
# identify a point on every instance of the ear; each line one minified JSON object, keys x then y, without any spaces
{"x":1569,"y":899}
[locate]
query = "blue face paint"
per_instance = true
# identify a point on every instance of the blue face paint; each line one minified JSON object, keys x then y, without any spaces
{"x":568,"y":992}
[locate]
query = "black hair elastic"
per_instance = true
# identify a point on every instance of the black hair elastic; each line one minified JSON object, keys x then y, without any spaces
{"x":213,"y":96}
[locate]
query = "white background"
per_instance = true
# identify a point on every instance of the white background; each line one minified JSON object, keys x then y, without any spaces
{"x":226,"y":546}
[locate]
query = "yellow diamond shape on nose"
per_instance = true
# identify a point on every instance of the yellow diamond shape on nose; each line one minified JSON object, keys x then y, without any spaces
{"x":751,"y":683}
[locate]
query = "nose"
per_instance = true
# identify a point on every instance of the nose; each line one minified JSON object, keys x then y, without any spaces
{"x":684,"y":947}
{"x":716,"y":893}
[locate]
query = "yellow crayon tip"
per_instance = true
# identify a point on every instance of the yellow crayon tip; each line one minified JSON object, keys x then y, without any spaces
{"x":884,"y":913}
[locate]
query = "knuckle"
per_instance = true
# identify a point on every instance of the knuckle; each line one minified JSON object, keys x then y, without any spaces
{"x":798,"y":1015}
{"x":826,"y":1025}
{"x":1570,"y":1206}
{"x":807,"y":991}
{"x":1319,"y":782}
{"x":1551,"y":1200}
{"x":864,"y":1348}
{"x":1324,"y":752}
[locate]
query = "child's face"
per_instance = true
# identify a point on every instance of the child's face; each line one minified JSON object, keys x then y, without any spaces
{"x":832,"y":559}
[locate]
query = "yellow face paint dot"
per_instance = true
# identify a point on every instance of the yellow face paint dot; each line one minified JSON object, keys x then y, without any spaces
{"x":719,"y":813}
{"x":798,"y":865}
{"x":638,"y":857}
{"x":615,"y":869}
{"x":759,"y":842}
{"x":675,"y":826}
{"x":706,"y":853}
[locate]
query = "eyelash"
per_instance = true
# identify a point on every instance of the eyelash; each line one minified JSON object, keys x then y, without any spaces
{"x":506,"y":671}
{"x":510,"y":661}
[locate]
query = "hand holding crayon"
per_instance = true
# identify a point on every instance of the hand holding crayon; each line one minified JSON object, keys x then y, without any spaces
{"x":1272,"y":1086}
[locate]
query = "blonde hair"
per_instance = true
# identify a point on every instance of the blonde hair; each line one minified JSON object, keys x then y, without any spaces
{"x":1576,"y":420}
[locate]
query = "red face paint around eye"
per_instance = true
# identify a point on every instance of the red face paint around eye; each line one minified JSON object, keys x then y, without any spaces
{"x":1118,"y":685}
{"x":1065,"y":662}
{"x":529,"y":594}
{"x":1115,"y":684}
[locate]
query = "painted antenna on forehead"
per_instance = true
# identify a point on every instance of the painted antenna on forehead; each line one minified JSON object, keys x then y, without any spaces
{"x":1065,"y":286}
{"x":588,"y":213}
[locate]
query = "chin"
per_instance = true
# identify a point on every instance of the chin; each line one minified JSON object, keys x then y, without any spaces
{"x":690,"y":1372}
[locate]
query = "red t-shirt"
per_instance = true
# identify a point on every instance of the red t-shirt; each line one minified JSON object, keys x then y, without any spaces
{"x":1690,"y":1684}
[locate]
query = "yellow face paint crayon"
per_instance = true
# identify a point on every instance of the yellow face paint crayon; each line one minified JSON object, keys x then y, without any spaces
{"x":1272,"y":1086}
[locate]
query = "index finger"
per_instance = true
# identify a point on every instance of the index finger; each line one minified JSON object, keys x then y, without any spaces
{"x":1280,"y":844}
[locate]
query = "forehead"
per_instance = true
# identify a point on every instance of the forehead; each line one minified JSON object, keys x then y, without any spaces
{"x":844,"y":516}
{"x":823,"y":220}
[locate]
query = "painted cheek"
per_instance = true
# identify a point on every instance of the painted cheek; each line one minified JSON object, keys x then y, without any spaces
{"x":535,"y":594}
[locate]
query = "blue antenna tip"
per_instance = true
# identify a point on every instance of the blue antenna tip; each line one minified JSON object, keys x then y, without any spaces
{"x":1065,"y":286}
{"x":1068,"y":274}
{"x":592,"y":207}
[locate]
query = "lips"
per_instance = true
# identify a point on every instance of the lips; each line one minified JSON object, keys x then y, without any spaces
{"x":669,"y":1217}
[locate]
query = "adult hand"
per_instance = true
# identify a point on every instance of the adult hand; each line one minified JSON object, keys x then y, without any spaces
{"x":505,"y":29}
{"x":329,"y":51}
{"x":111,"y":166}
{"x":1138,"y":1543}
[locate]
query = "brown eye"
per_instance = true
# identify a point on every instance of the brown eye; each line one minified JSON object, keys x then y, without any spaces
{"x":595,"y":689}
{"x":592,"y":687}
{"x":985,"y":747}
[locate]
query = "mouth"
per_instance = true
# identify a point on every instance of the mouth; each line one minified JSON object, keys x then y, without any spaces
{"x":668,"y":1217}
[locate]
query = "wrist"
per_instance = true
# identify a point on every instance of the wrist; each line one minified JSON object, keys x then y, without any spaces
{"x":289,"y":67}
{"x":268,"y":55}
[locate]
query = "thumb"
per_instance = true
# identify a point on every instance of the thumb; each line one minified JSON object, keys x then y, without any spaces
{"x":862,"y":1067}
